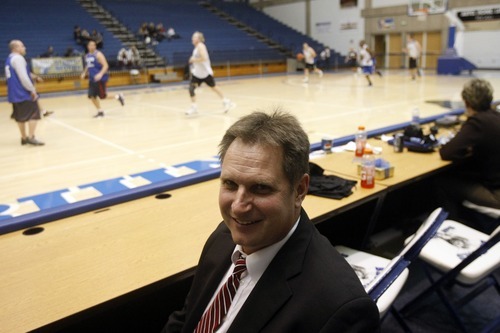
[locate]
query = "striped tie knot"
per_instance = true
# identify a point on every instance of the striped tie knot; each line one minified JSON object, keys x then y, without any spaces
{"x":239,"y":267}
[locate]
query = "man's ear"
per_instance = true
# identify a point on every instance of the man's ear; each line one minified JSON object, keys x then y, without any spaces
{"x":302,"y":188}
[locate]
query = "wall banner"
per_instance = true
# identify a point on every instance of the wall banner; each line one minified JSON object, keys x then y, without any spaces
{"x":57,"y":65}
{"x":479,"y":15}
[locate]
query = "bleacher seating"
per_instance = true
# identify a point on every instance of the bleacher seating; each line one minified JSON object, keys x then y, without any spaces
{"x":275,"y":30}
{"x":268,"y":26}
{"x":40,"y":24}
{"x":225,"y":42}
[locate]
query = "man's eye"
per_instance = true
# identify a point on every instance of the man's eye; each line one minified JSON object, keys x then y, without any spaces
{"x":228,"y":184}
{"x":262,"y":189}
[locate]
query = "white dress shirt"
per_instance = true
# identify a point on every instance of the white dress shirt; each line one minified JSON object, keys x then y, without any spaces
{"x":256,"y":263}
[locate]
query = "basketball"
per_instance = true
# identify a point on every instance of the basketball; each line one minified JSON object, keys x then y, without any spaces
{"x":300,"y":56}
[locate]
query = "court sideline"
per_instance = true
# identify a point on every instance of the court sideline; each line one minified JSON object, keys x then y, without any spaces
{"x":151,"y":131}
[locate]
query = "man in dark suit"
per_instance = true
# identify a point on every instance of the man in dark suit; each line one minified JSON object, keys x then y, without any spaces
{"x":295,"y":281}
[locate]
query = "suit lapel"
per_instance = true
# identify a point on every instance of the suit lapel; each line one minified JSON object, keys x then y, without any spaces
{"x":215,"y":265}
{"x":272,"y":291}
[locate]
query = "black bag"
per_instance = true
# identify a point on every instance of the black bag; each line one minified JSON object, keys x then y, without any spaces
{"x":415,"y":140}
{"x":328,"y":186}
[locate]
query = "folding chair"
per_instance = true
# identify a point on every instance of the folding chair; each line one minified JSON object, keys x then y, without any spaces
{"x":382,"y":278}
{"x":463,"y":256}
{"x":367,"y":266}
{"x":491,"y":212}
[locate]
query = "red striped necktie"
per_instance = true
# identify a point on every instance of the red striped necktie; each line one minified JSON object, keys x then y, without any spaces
{"x":212,"y":318}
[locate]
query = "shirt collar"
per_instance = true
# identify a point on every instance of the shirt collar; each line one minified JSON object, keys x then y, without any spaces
{"x":257,"y":262}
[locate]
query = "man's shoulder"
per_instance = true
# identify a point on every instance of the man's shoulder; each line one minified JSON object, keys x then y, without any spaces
{"x":15,"y":56}
{"x":17,"y":59}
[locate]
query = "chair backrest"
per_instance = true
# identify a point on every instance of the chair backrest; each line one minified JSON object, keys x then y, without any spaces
{"x":424,"y":233}
{"x":411,"y":250}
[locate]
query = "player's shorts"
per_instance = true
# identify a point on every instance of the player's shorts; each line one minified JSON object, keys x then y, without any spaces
{"x":412,"y":63}
{"x":97,"y":89}
{"x":209,"y":80}
{"x":367,"y":69}
{"x":309,"y":66}
{"x":25,"y":111}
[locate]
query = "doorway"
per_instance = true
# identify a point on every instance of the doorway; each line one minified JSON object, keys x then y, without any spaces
{"x":389,"y":49}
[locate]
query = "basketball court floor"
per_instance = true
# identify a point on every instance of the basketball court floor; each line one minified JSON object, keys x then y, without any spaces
{"x":152,"y":131}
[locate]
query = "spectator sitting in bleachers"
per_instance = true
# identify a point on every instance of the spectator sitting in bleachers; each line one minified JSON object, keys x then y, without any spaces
{"x":124,"y":58}
{"x":71,"y":52}
{"x":171,"y":34}
{"x":161,"y":33}
{"x":129,"y":58}
{"x":85,"y":38}
{"x":147,"y":32}
{"x":49,"y":53}
{"x":152,"y":30}
{"x":143,"y":31}
{"x":96,"y":36}
{"x":77,"y":35}
{"x":135,"y":57}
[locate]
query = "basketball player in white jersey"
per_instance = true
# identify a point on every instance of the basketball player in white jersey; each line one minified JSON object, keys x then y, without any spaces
{"x":309,"y":55}
{"x":201,"y":71}
{"x":413,"y":50}
{"x":366,"y":61}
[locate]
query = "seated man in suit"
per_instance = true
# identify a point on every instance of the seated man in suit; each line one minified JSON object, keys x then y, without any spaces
{"x":475,"y":151}
{"x":290,"y":278}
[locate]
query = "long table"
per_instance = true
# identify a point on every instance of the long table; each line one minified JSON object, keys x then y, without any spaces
{"x":86,"y":260}
{"x":408,"y":166}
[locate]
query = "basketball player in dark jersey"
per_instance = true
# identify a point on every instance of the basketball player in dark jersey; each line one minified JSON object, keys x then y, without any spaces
{"x":96,"y":66}
{"x":352,"y":60}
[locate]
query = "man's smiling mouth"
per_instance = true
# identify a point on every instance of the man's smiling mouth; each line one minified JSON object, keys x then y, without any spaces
{"x":246,"y":222}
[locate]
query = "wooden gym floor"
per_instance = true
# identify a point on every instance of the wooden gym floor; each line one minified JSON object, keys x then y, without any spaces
{"x":151,"y":131}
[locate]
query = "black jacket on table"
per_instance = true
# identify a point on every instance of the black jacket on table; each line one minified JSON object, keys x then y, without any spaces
{"x":307,"y":287}
{"x":477,"y":146}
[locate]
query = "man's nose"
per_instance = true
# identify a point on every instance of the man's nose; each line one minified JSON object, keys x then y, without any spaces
{"x":242,"y":200}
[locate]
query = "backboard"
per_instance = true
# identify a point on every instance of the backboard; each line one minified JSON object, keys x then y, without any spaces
{"x":426,"y":7}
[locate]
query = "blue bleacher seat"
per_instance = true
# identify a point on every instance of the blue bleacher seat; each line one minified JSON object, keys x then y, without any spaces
{"x":268,"y":26}
{"x":40,"y":25}
{"x":225,"y":42}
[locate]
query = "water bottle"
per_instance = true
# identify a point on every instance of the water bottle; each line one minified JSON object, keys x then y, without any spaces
{"x":368,"y":169}
{"x":415,"y":116}
{"x":360,"y":140}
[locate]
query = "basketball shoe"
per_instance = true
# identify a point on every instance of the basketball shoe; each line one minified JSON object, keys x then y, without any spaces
{"x":120,"y":99}
{"x":227,"y":105}
{"x":192,"y":110}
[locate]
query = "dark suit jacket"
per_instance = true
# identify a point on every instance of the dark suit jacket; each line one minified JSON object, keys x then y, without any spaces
{"x":308,"y":287}
{"x":476,"y":145}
